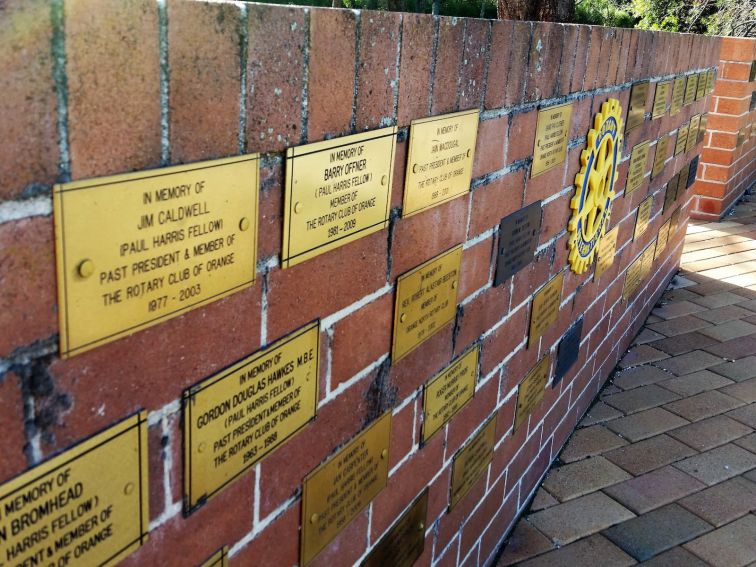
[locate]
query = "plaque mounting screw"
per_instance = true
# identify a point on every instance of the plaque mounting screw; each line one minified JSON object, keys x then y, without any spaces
{"x":85,"y":268}
{"x":420,"y":527}
{"x":297,"y":208}
{"x":414,"y":168}
{"x":454,"y":284}
{"x":402,"y":317}
{"x":468,"y":153}
{"x":129,"y":488}
{"x":384,"y":453}
{"x":383,"y":180}
{"x":314,"y":518}
{"x":244,"y":224}
{"x":201,"y":447}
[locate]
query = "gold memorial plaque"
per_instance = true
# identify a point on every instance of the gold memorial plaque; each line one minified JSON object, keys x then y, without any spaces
{"x":633,"y":278}
{"x":692,"y":138}
{"x":337,"y":490}
{"x":235,"y":418}
{"x":552,"y":135}
{"x":660,"y":99}
{"x":218,"y":559}
{"x":678,"y":94}
{"x":648,"y":258}
{"x":702,"y":125}
{"x":660,"y":157}
{"x":471,"y":461}
{"x":636,"y":171}
{"x":87,"y":506}
{"x":701,"y":89}
{"x":426,"y":301}
{"x":449,"y":391}
{"x":136,"y":249}
{"x":531,"y":390}
{"x":682,"y":183}
{"x":670,"y":194}
{"x":636,"y":113}
{"x":545,"y":308}
{"x":337,"y":191}
{"x":606,"y":250}
{"x":404,"y":543}
{"x":662,"y":238}
{"x":710,"y":81}
{"x":674,"y":222}
{"x":682,"y":138}
{"x":643,"y":217}
{"x":690,"y":89}
{"x":439,"y":160}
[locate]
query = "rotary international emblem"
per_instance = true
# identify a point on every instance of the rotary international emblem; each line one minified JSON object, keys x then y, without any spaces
{"x":594,"y":185}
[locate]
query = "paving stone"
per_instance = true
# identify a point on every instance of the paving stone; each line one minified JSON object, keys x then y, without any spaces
{"x":590,"y":441}
{"x":745,"y":391}
{"x":655,"y":532}
{"x":748,"y":442}
{"x":678,"y":309}
{"x":641,"y":354}
{"x":703,"y":405}
{"x":654,"y":489}
{"x":609,"y":390}
{"x":680,"y":281}
{"x":746,"y":414}
{"x":541,"y":500}
{"x":524,"y":543}
{"x":739,"y":370}
{"x":580,"y":517}
{"x":653,"y":319}
{"x":750,"y":304}
{"x":678,"y":326}
{"x":581,"y":477}
{"x":638,"y":399}
{"x":689,"y":362}
{"x":599,"y":413}
{"x":724,"y":314}
{"x":647,"y":335}
{"x":680,"y":344}
{"x":709,"y":433}
{"x":714,"y":300}
{"x":734,"y":348}
{"x":649,"y":454}
{"x":750,"y":475}
{"x":730,"y":330}
{"x":679,"y":294}
{"x":594,"y":550}
{"x":639,"y":376}
{"x":724,"y":502}
{"x":717,"y":465}
{"x":730,"y":546}
{"x":675,"y":557}
{"x":646,"y":424}
{"x":695,"y":383}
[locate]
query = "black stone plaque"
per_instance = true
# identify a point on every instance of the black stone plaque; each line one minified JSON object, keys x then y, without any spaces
{"x":682,"y":182}
{"x":692,"y":168}
{"x":671,"y":193}
{"x":518,"y":239}
{"x":567,"y":352}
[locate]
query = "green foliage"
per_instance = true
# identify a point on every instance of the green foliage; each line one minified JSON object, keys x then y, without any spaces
{"x":603,"y":13}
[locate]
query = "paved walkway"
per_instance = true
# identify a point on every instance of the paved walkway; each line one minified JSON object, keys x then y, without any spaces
{"x":662,"y":469}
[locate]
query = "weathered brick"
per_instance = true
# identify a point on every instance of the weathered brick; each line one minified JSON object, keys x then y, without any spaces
{"x":473,"y":72}
{"x":447,"y":70}
{"x":12,"y":423}
{"x":490,"y":145}
{"x":476,"y":266}
{"x":521,"y":135}
{"x":498,"y":84}
{"x":545,"y":54}
{"x":494,"y":201}
{"x":517,"y":73}
{"x":415,"y":67}
{"x":581,"y":58}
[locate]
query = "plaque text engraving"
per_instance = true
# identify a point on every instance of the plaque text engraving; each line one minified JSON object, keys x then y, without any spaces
{"x":660,"y":99}
{"x":682,"y":138}
{"x":471,"y":461}
{"x":660,"y":157}
{"x":643,"y":217}
{"x":606,"y":249}
{"x":636,"y":114}
{"x":545,"y":308}
{"x":678,"y":93}
{"x":531,"y":389}
{"x":518,"y":240}
{"x":552,"y":133}
{"x":636,"y":171}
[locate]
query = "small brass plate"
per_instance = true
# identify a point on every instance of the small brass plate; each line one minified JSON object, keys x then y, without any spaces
{"x":710,"y":81}
{"x":660,"y":157}
{"x":95,"y":493}
{"x":633,"y":278}
{"x":701,"y":89}
{"x":337,"y":490}
{"x":531,"y":389}
{"x":660,"y":99}
{"x":136,"y":249}
{"x":337,"y":191}
{"x":545,"y":308}
{"x":674,"y":223}
{"x":648,"y":258}
{"x":636,"y":171}
{"x":681,"y":183}
{"x":670,"y":194}
{"x":690,"y":89}
{"x":702,"y":127}
{"x":552,"y":135}
{"x":692,"y":138}
{"x":449,"y":391}
{"x":426,"y":301}
{"x":235,"y":418}
{"x":439,"y":160}
{"x":636,"y":113}
{"x":662,"y":238}
{"x":218,"y":559}
{"x":682,"y":138}
{"x":404,"y":543}
{"x":606,"y":250}
{"x":643,"y":217}
{"x":471,"y":461}
{"x":678,"y":96}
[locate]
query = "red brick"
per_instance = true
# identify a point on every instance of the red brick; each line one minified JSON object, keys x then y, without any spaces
{"x":481,"y":314}
{"x":497,"y":199}
{"x":270,"y":545}
{"x":581,"y":58}
{"x":521,"y":135}
{"x":736,"y":71}
{"x":501,"y":342}
{"x":489,"y":149}
{"x":467,"y":420}
{"x":12,"y":422}
{"x":497,"y":84}
{"x":517,"y":73}
{"x":736,"y":49}
{"x":736,"y":89}
{"x":270,"y":213}
{"x":415,"y":66}
{"x":448,"y":60}
{"x":451,"y":523}
{"x":545,"y":53}
{"x":733,"y":106}
{"x":500,"y":523}
{"x":556,"y":214}
{"x":582,"y":117}
{"x":720,"y":157}
{"x":429,"y":358}
{"x":479,"y":519}
{"x":546,"y":184}
{"x":726,"y":140}
{"x":405,"y":431}
{"x":28,"y":119}
{"x":594,"y":55}
{"x":113,"y":65}
{"x":347,"y":546}
{"x":473,"y":74}
{"x":568,"y":55}
{"x":531,"y":277}
{"x":609,"y":53}
{"x":476,"y":267}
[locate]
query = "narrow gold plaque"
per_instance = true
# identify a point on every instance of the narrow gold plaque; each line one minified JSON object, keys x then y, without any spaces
{"x":606,"y":250}
{"x":648,"y":258}
{"x":701,"y":90}
{"x":702,"y":125}
{"x":660,"y":157}
{"x":690,"y":89}
{"x":674,"y":222}
{"x":439,"y":160}
{"x":139,"y":248}
{"x":633,"y":278}
{"x":660,"y":99}
{"x":662,"y":238}
{"x":336,"y":491}
{"x":87,"y":506}
{"x":682,"y":138}
{"x":404,"y":543}
{"x":710,"y":81}
{"x":636,"y":171}
{"x":678,"y":94}
{"x":449,"y":391}
{"x":235,"y":418}
{"x":643,"y":217}
{"x":218,"y":559}
{"x":552,"y":135}
{"x":471,"y":461}
{"x":692,"y":138}
{"x":531,"y":389}
{"x":636,"y":114}
{"x":545,"y":309}
{"x":426,"y":301}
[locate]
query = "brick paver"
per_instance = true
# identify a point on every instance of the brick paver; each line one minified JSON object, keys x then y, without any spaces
{"x":730,"y":546}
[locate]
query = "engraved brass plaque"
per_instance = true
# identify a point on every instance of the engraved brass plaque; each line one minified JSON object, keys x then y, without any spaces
{"x":662,"y":238}
{"x":710,"y":80}
{"x":545,"y":308}
{"x":518,"y":240}
{"x":682,"y":138}
{"x":337,"y":191}
{"x":426,"y":301}
{"x":674,"y":222}
{"x":648,"y":258}
{"x":636,"y":113}
{"x":449,"y":391}
{"x":404,"y":543}
{"x":531,"y":389}
{"x":606,"y":250}
{"x":439,"y":160}
{"x":552,"y":135}
{"x":690,"y":89}
{"x":139,"y":248}
{"x":471,"y":461}
{"x":337,"y":490}
{"x":681,"y":184}
{"x":218,"y":559}
{"x":670,"y":193}
{"x":660,"y":99}
{"x":660,"y":157}
{"x":702,"y":127}
{"x":678,"y":94}
{"x":636,"y":171}
{"x":235,"y":418}
{"x":643,"y":217}
{"x":701,"y":87}
{"x":692,"y":138}
{"x":568,"y":350}
{"x":633,"y":278}
{"x":87,"y":506}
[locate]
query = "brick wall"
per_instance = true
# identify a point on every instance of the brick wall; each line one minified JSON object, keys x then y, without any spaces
{"x":728,"y":158}
{"x":94,"y":88}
